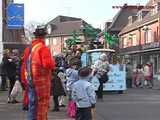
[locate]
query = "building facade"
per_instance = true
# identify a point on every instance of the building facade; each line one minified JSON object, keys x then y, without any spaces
{"x":119,"y":21}
{"x":140,"y":39}
{"x":63,"y":28}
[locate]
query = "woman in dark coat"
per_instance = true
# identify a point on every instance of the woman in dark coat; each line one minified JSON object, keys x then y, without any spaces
{"x":57,"y":89}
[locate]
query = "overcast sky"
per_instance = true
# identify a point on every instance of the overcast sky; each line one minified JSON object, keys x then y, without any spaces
{"x":95,"y":12}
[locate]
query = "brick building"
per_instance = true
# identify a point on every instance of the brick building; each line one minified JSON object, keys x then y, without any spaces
{"x":140,"y":39}
{"x":63,"y":28}
{"x":119,"y":21}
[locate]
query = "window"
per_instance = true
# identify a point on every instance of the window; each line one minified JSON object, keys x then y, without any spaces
{"x":140,"y":15}
{"x":156,"y":8}
{"x":134,"y":40}
{"x":47,"y":41}
{"x":121,"y":43}
{"x":148,"y":36}
{"x":130,"y":20}
{"x":129,"y":41}
{"x":124,"y":42}
{"x":54,"y":41}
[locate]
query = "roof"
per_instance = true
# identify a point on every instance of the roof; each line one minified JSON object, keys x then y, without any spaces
{"x":101,"y":50}
{"x":67,"y":28}
{"x":61,"y":18}
{"x":148,"y":18}
{"x":64,"y":25}
{"x":141,"y":23}
{"x":121,"y":19}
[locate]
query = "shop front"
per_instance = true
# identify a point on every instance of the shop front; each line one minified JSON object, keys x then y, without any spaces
{"x":151,"y":53}
{"x":142,"y":54}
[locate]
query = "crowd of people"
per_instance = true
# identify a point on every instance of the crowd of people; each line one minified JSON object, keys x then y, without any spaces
{"x":10,"y":69}
{"x":42,"y":75}
{"x":141,"y":76}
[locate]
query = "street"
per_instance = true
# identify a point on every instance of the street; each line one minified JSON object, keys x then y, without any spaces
{"x":135,"y":104}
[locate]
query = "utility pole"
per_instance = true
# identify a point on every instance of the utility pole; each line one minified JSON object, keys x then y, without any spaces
{"x":1,"y":30}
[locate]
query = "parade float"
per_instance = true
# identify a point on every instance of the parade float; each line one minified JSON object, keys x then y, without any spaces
{"x":116,"y":74}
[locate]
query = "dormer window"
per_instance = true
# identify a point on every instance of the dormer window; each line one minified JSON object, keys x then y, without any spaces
{"x":131,"y":19}
{"x":156,"y":8}
{"x":141,"y":14}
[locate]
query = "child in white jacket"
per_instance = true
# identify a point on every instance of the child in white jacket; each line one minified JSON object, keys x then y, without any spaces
{"x":84,"y":95}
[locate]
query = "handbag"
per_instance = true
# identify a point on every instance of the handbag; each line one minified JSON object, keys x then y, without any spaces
{"x":71,"y":109}
{"x":104,"y":78}
{"x":16,"y":89}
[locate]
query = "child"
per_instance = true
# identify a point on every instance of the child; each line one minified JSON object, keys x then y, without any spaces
{"x":71,"y":77}
{"x":62,"y":76}
{"x":57,"y":90}
{"x":84,"y":95}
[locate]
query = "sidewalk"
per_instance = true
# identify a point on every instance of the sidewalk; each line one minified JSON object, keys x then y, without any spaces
{"x":156,"y":84}
{"x":14,"y":111}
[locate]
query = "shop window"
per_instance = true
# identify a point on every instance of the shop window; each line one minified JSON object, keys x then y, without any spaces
{"x":155,"y":67}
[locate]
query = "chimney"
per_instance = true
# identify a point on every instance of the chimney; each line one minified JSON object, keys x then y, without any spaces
{"x":107,"y":25}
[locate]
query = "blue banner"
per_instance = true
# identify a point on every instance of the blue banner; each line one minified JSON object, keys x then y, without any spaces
{"x":15,"y":16}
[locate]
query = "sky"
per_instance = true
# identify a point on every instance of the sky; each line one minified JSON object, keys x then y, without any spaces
{"x":95,"y":12}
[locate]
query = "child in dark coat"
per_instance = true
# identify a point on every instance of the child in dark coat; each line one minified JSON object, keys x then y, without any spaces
{"x":57,"y":89}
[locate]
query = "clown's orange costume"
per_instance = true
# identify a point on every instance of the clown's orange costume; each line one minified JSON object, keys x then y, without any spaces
{"x":36,"y":69}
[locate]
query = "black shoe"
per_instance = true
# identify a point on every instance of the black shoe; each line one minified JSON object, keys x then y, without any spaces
{"x":15,"y":101}
{"x":9,"y":101}
{"x":55,"y":110}
{"x":25,"y":108}
{"x":62,"y":106}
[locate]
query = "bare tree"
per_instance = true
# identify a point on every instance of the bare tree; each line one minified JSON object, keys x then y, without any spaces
{"x":30,"y":28}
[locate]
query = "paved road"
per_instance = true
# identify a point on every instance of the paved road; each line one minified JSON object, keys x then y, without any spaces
{"x":135,"y":104}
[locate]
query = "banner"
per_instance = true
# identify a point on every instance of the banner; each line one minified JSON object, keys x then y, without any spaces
{"x":15,"y":16}
{"x":117,"y":78}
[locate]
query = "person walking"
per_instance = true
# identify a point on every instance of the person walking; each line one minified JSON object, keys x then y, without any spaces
{"x":84,"y":95}
{"x":148,"y":74}
{"x":129,"y":73}
{"x":10,"y":67}
{"x":3,"y":72}
{"x":17,"y":62}
{"x":139,"y":82}
{"x":100,"y":69}
{"x":57,"y":90}
{"x":38,"y":64}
